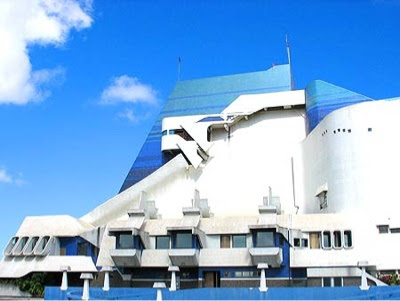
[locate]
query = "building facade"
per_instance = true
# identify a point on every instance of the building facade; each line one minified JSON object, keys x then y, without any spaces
{"x":239,"y":177}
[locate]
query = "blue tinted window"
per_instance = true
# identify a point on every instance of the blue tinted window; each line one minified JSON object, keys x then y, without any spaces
{"x":162,"y":242}
{"x":265,"y":239}
{"x":239,"y":241}
{"x":183,"y":241}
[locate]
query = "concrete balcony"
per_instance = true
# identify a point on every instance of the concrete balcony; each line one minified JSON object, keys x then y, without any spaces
{"x":271,"y":255}
{"x":126,"y":257}
{"x":184,"y":257}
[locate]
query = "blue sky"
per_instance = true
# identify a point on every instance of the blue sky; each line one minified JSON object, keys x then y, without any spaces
{"x":81,"y":83}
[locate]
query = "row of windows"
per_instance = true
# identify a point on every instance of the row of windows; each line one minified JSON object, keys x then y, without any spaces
{"x":233,"y":241}
{"x":332,"y":281}
{"x":337,"y":239}
{"x":326,"y":240}
{"x":341,"y":131}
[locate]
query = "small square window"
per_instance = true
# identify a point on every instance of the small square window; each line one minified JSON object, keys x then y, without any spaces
{"x":383,"y":229}
{"x":162,"y":242}
{"x":326,"y":282}
{"x":304,"y":242}
{"x":239,"y":241}
{"x":369,"y":129}
{"x":338,"y":281}
{"x":296,"y":242}
{"x":183,"y":241}
{"x":265,"y":239}
{"x":125,"y":241}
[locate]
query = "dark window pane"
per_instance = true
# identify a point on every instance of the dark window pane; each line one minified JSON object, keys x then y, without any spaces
{"x":239,"y":241}
{"x":125,"y":241}
{"x":326,"y":282}
{"x":337,"y":239}
{"x":348,"y":241}
{"x":162,"y":242}
{"x":337,"y":281}
{"x":383,"y":228}
{"x":265,"y":239}
{"x":183,"y":241}
{"x":327,"y":239}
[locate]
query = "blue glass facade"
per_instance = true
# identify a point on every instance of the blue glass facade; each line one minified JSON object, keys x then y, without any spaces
{"x":202,"y":96}
{"x":323,"y":98}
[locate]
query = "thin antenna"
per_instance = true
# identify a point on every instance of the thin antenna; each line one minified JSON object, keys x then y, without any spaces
{"x":179,"y":68}
{"x":290,"y":63}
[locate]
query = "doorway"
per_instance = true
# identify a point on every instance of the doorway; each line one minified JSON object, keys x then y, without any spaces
{"x":212,"y":279}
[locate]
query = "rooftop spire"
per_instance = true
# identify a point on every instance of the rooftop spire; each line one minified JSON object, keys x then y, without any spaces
{"x":290,"y":63}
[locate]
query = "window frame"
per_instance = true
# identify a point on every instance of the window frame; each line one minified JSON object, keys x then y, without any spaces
{"x":181,"y":234}
{"x":323,"y":240}
{"x":351,"y":239}
{"x":333,"y":242}
{"x":163,"y":237}
{"x":257,"y":240}
{"x":238,"y":236}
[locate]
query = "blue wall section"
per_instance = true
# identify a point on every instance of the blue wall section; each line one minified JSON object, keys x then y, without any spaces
{"x":71,"y":246}
{"x":202,"y":96}
{"x":287,"y":293}
{"x":323,"y":98}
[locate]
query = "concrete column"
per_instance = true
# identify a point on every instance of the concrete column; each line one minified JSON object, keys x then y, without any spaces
{"x":86,"y":278}
{"x":64,"y":282}
{"x":173,"y":269}
{"x":106,"y":285}
{"x":159,"y":286}
{"x":364,"y":283}
{"x":263,"y":281}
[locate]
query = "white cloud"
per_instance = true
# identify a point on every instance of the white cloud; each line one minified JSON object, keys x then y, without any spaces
{"x":27,"y":22}
{"x":6,"y":178}
{"x":128,"y":114}
{"x":128,"y":90}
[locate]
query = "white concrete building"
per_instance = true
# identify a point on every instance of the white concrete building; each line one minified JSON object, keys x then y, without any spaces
{"x":240,"y":172}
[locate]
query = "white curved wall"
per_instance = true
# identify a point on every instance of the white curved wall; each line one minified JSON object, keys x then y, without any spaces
{"x":361,"y":167}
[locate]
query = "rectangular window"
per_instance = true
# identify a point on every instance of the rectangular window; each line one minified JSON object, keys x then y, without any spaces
{"x":265,"y":239}
{"x":314,"y":240}
{"x":348,"y":240}
{"x":383,"y":229}
{"x":225,"y":241}
{"x":125,"y":241}
{"x":296,"y":242}
{"x":183,"y":241}
{"x":304,"y":242}
{"x":326,"y":240}
{"x":162,"y":242}
{"x":239,"y":241}
{"x":338,"y":281}
{"x":395,"y":230}
{"x":326,"y":282}
{"x":323,"y":200}
{"x":337,"y":239}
